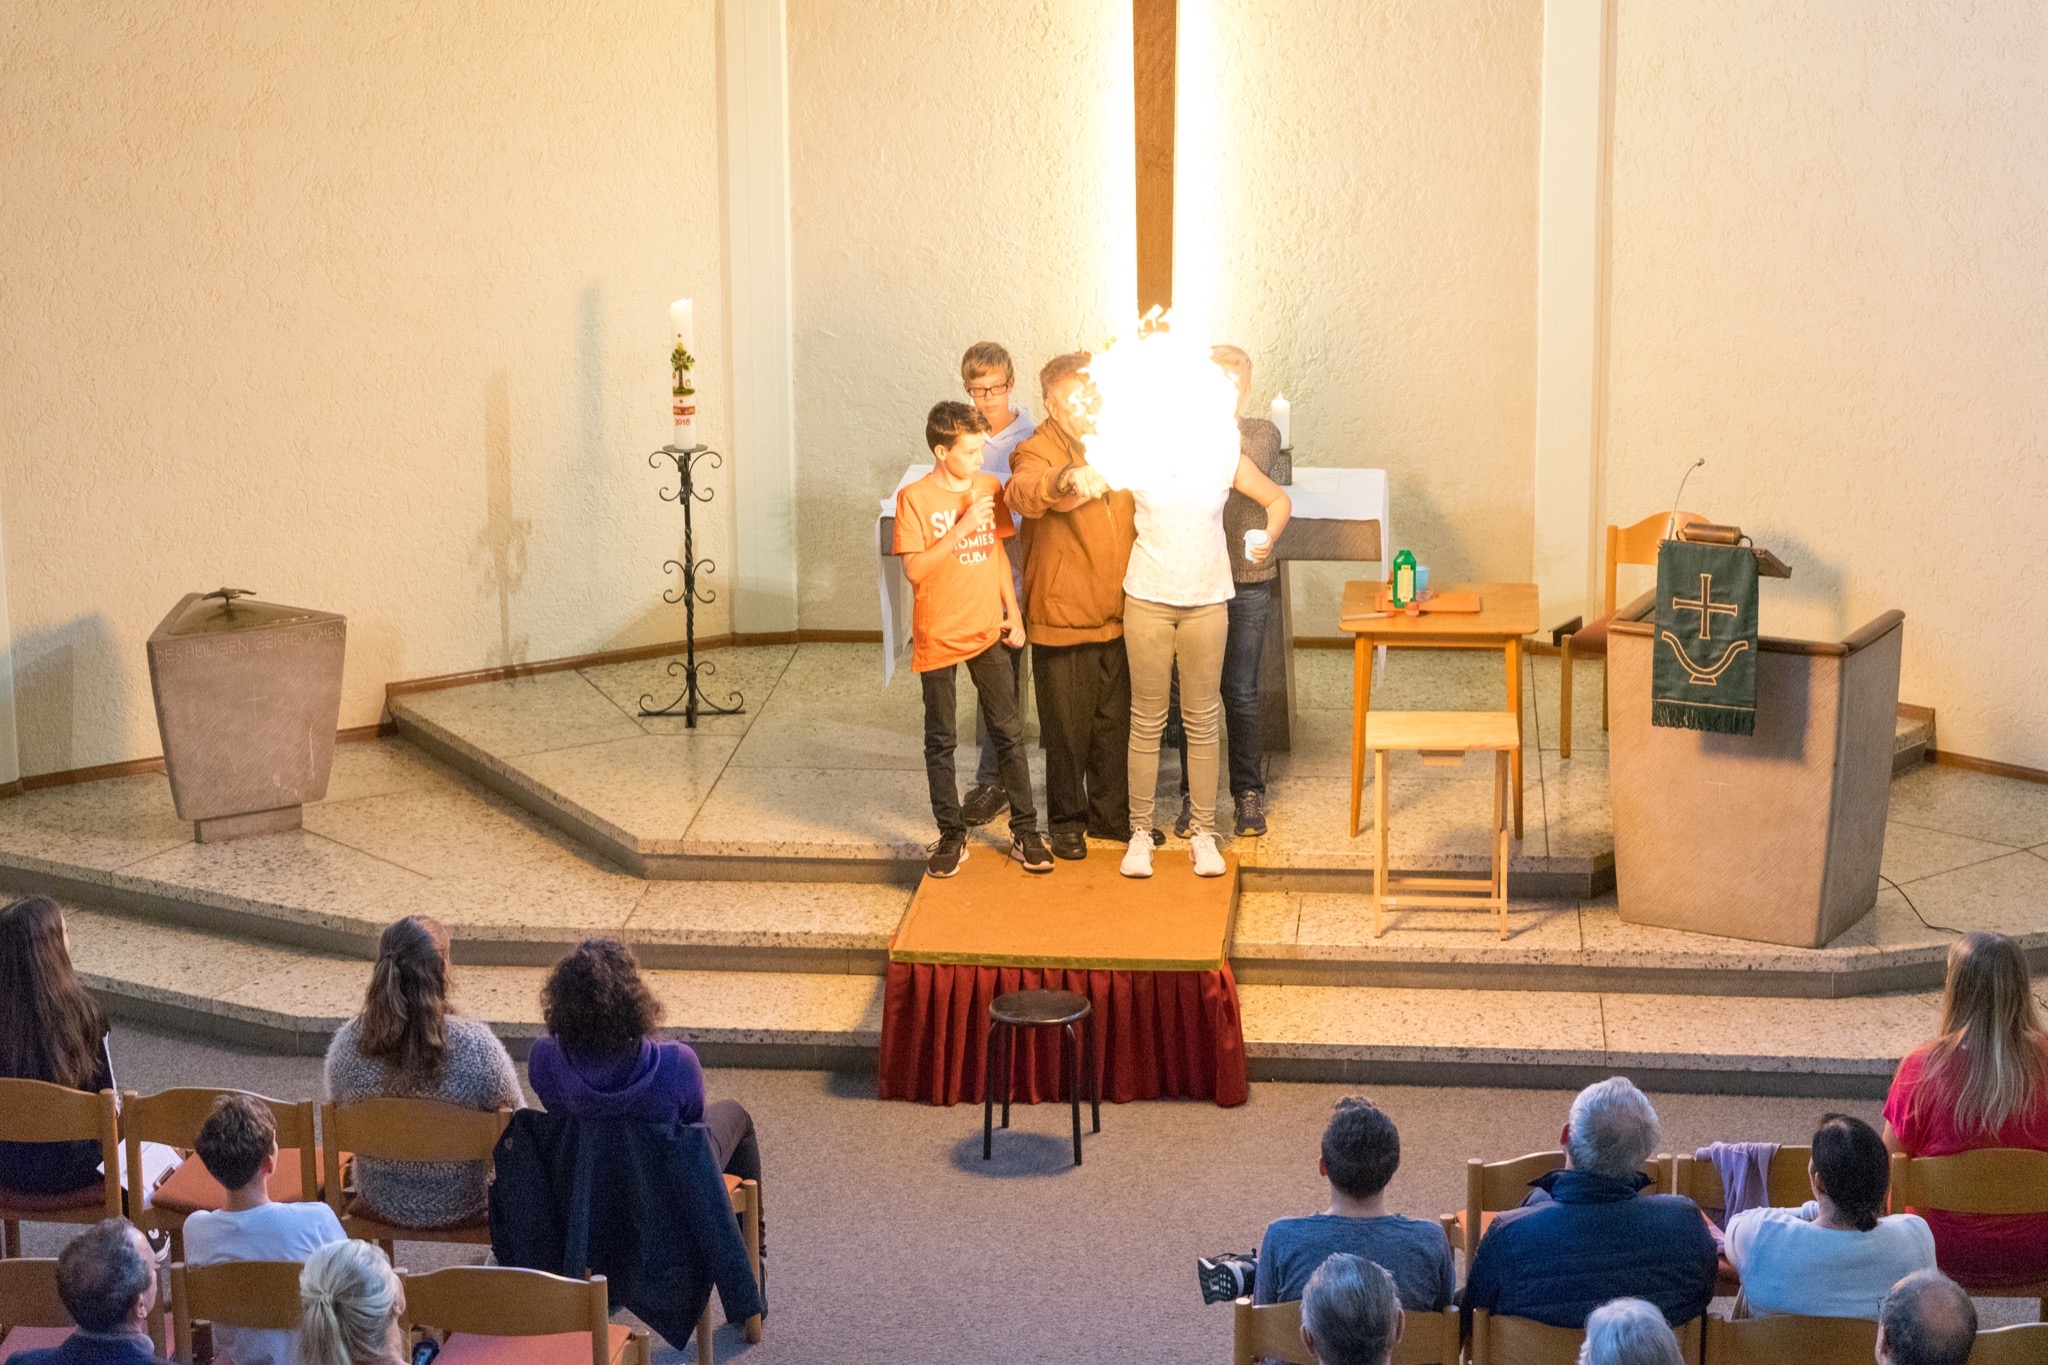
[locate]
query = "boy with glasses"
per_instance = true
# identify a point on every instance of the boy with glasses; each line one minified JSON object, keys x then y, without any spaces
{"x":990,"y":378}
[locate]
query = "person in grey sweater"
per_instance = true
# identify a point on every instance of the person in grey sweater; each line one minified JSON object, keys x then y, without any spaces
{"x":409,"y":1043}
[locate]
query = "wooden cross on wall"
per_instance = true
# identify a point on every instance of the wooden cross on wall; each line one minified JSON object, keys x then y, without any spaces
{"x":1155,"y":26}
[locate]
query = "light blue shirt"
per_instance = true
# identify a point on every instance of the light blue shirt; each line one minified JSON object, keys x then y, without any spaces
{"x":1791,"y":1264}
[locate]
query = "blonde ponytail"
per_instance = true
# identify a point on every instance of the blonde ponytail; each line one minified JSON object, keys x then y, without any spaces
{"x":348,"y":1296}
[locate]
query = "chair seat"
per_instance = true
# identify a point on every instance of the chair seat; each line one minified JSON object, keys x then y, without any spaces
{"x":374,"y":1225}
{"x":28,"y":1207}
{"x":556,"y":1348}
{"x":1590,"y":639}
{"x":32,"y":1339}
{"x":191,"y":1188}
{"x":1445,"y":730}
{"x":1033,"y":1009}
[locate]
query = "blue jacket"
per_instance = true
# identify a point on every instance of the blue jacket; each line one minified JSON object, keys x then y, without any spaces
{"x":1593,"y":1239}
{"x":81,"y":1348}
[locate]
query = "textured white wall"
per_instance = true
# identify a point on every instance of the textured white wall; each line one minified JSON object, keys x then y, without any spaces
{"x":1830,"y":223}
{"x":364,"y":308}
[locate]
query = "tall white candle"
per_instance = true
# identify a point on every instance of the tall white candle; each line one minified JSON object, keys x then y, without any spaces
{"x":681,"y":316}
{"x":1283,"y":413}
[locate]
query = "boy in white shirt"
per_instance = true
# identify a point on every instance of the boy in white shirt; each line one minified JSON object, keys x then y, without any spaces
{"x":1835,"y":1256}
{"x":238,"y":1143}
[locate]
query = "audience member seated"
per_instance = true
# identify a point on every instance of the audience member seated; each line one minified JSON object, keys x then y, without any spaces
{"x":1836,"y":1255}
{"x":1361,"y":1150}
{"x":1629,"y":1332}
{"x":350,"y":1305}
{"x":52,"y":1030}
{"x":1983,"y":1082}
{"x":1587,"y":1234}
{"x":238,"y":1143}
{"x":107,"y":1278}
{"x":1927,"y":1319}
{"x":1350,"y":1312}
{"x":410,"y":1043}
{"x":600,"y":1059}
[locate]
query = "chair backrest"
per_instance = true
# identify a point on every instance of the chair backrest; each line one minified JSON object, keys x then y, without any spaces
{"x":1495,"y":1186}
{"x":502,"y":1301}
{"x":259,"y":1294}
{"x":388,"y":1129}
{"x":1429,"y":1339}
{"x":36,"y":1111}
{"x":1786,"y":1185}
{"x":1637,"y":544}
{"x":1522,"y":1341}
{"x":2025,"y":1344}
{"x":1989,"y":1180}
{"x":174,"y":1118}
{"x":1810,"y":1341}
{"x":28,"y":1294}
{"x":1273,"y":1332}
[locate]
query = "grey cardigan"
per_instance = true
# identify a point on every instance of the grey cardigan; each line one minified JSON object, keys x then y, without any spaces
{"x":477,"y":1074}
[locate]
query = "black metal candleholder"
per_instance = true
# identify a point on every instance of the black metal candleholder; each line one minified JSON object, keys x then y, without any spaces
{"x":691,"y":702}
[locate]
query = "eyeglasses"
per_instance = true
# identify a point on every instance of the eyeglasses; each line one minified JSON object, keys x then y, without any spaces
{"x":988,"y":390}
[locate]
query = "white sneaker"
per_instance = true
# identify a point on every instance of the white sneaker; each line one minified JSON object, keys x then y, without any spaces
{"x":1208,"y":859}
{"x":1138,"y":857}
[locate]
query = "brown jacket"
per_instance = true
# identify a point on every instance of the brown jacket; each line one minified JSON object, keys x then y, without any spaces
{"x":1074,"y":561}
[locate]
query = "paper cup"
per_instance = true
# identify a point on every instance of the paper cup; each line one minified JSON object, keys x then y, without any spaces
{"x":1253,"y":539}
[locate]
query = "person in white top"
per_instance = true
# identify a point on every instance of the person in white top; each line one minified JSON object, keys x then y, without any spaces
{"x":989,"y":376}
{"x":1176,"y":595}
{"x":1835,"y":1256}
{"x":238,"y":1144}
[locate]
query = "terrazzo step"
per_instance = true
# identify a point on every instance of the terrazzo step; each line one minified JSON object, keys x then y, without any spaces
{"x":1913,"y":738}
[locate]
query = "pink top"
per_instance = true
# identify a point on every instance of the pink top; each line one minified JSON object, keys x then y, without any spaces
{"x":1979,"y":1248}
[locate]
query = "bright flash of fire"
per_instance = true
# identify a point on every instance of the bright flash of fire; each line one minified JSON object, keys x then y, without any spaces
{"x":1166,"y":414}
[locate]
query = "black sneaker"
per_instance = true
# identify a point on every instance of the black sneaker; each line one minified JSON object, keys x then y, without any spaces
{"x":1251,"y":814}
{"x":983,"y":804}
{"x":1028,"y":848}
{"x":1184,"y":823}
{"x":1231,"y":1275}
{"x":1070,"y":844}
{"x":947,"y":855}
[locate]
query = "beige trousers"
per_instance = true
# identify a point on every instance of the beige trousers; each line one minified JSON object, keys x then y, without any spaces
{"x":1156,"y":637}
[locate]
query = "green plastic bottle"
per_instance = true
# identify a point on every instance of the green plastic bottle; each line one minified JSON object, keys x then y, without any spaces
{"x":1402,"y":591}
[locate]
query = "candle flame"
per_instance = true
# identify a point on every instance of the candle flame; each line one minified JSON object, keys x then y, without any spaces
{"x":1166,"y":413}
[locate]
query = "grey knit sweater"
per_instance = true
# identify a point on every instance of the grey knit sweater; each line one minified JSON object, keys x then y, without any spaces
{"x":477,"y":1074}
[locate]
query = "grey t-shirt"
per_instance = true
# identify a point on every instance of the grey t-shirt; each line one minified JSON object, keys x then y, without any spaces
{"x":1415,"y":1253}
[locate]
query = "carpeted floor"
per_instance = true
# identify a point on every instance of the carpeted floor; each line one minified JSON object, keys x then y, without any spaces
{"x":890,"y":1239}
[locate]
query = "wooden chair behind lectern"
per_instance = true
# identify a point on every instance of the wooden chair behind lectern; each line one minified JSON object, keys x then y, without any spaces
{"x":1635,"y":544}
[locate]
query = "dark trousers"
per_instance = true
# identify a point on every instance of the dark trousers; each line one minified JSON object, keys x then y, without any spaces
{"x":996,"y":691}
{"x":989,"y":771}
{"x":1243,"y":722}
{"x":733,"y":1142}
{"x":1084,"y":721}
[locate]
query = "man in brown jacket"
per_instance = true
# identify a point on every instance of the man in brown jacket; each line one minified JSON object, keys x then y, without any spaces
{"x":1077,"y":543}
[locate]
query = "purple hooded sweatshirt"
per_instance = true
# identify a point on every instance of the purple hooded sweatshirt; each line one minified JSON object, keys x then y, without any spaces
{"x":658,"y":1083}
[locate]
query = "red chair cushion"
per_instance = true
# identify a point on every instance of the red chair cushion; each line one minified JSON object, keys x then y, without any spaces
{"x":32,"y":1339}
{"x":192,"y":1187}
{"x":14,"y":1204}
{"x":559,"y":1348}
{"x":1591,"y":639}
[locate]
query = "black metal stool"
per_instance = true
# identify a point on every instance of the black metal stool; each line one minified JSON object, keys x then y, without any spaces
{"x":1063,"y":1010}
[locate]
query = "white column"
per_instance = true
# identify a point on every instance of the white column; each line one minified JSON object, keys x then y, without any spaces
{"x":1571,"y":301}
{"x":763,"y":455}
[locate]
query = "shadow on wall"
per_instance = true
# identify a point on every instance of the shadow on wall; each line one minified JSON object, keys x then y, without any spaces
{"x":1818,"y":591}
{"x":501,"y":545}
{"x":47,"y":667}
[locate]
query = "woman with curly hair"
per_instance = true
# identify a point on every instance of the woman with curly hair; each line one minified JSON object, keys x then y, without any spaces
{"x":600,"y":1059}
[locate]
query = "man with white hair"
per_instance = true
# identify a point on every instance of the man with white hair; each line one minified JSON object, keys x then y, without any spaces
{"x":1350,"y":1314}
{"x":1587,"y":1234}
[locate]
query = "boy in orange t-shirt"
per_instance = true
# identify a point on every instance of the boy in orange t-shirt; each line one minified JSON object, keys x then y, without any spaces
{"x":948,"y":528}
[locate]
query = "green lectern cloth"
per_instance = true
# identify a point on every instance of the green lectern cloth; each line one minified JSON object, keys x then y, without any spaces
{"x":1704,"y":677}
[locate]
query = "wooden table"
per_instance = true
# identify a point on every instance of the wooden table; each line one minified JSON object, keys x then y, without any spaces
{"x":1507,"y":612}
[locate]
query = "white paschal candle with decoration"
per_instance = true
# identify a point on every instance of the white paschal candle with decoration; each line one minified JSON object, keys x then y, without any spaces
{"x":1283,"y":415}
{"x":684,"y":394}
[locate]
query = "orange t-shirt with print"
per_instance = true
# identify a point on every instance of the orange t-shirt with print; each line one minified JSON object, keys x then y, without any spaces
{"x":957,"y":612}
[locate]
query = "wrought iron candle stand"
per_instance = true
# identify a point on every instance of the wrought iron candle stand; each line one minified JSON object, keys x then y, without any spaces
{"x":692,"y":701}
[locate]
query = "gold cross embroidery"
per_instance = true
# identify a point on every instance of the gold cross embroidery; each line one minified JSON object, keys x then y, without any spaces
{"x":1705,"y":605}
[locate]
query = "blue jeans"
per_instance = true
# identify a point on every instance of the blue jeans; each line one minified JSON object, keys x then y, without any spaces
{"x":1242,"y":648}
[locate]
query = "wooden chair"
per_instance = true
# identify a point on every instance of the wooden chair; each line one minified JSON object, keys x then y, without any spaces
{"x":2026,"y":1344}
{"x":1493,"y":1187}
{"x":36,"y":1111}
{"x":32,"y":1317}
{"x":405,"y":1130}
{"x":746,"y":1202}
{"x":1989,"y":1180}
{"x":1272,"y":1331}
{"x":262,"y":1295}
{"x":1774,"y":1340}
{"x":1635,"y":544}
{"x":1523,"y":1341}
{"x":1442,"y":736}
{"x":499,"y":1315}
{"x":174,"y":1118}
{"x":1786,"y":1186}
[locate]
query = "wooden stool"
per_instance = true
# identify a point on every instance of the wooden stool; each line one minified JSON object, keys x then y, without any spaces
{"x":1442,"y":737}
